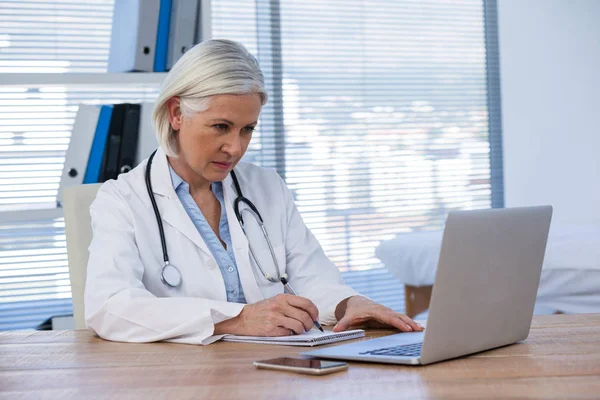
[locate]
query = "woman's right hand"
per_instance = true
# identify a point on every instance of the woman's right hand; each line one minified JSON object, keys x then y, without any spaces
{"x":281,"y":315}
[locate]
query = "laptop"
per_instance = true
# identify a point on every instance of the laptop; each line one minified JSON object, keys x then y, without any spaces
{"x":484,"y":293}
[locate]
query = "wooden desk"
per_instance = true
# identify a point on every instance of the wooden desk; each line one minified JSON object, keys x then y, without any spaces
{"x":560,"y":359}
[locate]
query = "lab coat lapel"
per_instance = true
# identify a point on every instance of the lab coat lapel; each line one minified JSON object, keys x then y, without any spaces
{"x":171,"y":209}
{"x":240,"y":246}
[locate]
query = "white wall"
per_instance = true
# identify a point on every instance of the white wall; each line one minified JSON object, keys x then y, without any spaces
{"x":550,"y":83}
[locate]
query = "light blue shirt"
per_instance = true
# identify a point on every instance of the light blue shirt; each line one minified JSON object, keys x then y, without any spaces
{"x":224,"y":257}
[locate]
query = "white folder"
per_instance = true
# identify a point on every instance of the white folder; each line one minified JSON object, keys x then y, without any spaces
{"x":133,"y":36}
{"x":78,"y":153}
{"x":182,"y":30}
{"x":147,"y":142}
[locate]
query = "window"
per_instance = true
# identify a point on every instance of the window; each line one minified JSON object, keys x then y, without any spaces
{"x":383,"y":116}
{"x":40,"y":37}
{"x":379,"y":118}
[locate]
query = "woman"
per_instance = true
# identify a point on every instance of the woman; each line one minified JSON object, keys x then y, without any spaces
{"x":204,"y":117}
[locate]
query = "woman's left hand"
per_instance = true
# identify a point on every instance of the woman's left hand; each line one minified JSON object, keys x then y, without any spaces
{"x":358,"y":310}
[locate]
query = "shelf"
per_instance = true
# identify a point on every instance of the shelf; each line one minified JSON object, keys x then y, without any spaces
{"x":82,"y":79}
{"x":11,"y":216}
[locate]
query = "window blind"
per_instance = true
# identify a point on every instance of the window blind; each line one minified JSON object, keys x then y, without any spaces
{"x":385,"y":117}
{"x":380,"y":119}
{"x":62,"y":37}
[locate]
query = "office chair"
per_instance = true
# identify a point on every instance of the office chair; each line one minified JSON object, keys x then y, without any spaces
{"x":78,"y":231}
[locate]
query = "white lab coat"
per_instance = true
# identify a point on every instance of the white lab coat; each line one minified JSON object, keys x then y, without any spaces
{"x":125,"y":299}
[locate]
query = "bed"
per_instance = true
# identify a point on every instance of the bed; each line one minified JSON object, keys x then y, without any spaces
{"x":570,"y":281}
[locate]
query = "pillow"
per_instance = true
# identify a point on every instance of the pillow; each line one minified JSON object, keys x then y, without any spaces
{"x":573,"y":247}
{"x":412,"y":257}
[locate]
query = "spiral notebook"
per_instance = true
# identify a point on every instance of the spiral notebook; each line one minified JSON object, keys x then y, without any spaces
{"x":310,"y":338}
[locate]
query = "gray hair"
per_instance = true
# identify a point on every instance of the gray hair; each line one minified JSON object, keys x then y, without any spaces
{"x":210,"y":68}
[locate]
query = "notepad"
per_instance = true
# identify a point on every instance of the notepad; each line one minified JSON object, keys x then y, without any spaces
{"x":310,"y":338}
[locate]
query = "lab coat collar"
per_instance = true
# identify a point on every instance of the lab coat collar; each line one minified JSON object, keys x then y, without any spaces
{"x":171,"y":209}
{"x":160,"y":175}
{"x":228,"y":183}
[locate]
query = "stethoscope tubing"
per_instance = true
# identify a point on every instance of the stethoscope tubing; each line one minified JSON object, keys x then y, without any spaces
{"x":170,"y":275}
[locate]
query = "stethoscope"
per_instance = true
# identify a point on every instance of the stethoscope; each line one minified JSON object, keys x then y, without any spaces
{"x":171,"y":276}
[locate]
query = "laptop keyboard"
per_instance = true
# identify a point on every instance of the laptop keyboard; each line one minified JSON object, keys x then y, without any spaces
{"x":404,"y":350}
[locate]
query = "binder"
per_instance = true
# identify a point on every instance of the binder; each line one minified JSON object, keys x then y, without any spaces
{"x":147,"y":141}
{"x":162,"y":36}
{"x":94,"y":165}
{"x":134,"y":35}
{"x":203,"y":21}
{"x":182,"y":30}
{"x":129,"y":140}
{"x":78,"y":153}
{"x":110,"y":159}
{"x":107,"y":140}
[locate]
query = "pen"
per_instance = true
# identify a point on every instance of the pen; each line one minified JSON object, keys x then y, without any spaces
{"x":287,"y":285}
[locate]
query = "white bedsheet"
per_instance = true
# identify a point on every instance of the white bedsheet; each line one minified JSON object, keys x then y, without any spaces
{"x":570,"y":280}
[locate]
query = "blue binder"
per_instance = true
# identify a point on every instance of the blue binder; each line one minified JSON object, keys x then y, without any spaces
{"x":162,"y":36}
{"x":92,"y":172}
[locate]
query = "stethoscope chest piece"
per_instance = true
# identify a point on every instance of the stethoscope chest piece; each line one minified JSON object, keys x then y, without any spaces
{"x":170,"y":275}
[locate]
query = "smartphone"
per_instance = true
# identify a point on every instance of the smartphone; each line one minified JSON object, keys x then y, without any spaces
{"x":302,"y":365}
